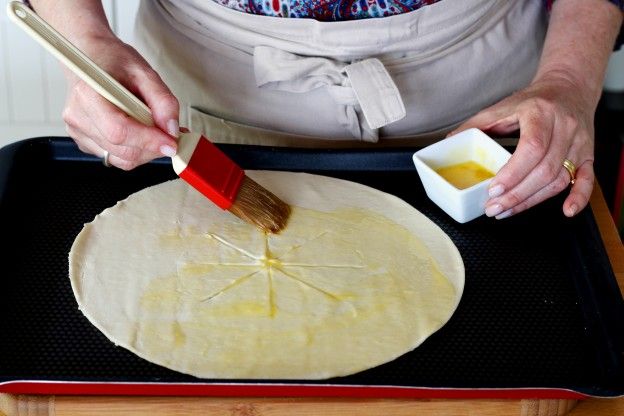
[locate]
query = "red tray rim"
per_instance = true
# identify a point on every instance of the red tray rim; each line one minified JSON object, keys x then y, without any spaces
{"x":279,"y":390}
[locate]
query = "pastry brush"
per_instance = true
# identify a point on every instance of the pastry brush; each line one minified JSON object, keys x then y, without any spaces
{"x":199,"y":162}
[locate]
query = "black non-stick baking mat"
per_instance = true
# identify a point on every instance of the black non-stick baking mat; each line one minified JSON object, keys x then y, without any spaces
{"x":541,"y":307}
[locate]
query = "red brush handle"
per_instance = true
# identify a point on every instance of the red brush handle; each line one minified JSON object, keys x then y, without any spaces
{"x":213,"y":174}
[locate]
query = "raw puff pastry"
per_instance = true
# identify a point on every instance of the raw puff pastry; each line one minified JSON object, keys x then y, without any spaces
{"x":358,"y":278}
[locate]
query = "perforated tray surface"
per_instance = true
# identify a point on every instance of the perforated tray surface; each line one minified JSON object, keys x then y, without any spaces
{"x":541,"y":307}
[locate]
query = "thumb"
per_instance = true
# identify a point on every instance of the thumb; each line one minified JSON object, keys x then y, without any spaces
{"x":494,"y":119}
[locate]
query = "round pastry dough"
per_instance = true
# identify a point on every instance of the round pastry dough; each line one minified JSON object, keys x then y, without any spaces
{"x":358,"y":278}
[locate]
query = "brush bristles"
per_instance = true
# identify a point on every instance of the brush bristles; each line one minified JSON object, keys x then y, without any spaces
{"x":256,"y":205}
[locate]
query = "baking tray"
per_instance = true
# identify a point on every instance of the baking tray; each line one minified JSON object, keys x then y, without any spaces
{"x":541,"y":314}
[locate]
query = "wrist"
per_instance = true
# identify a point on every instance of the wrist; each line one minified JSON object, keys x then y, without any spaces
{"x":564,"y":79}
{"x":78,"y":24}
{"x":90,"y":40}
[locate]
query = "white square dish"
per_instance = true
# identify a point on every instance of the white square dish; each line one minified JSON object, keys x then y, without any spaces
{"x":474,"y":145}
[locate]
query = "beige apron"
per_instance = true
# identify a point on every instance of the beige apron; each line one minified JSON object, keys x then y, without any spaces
{"x":251,"y":79}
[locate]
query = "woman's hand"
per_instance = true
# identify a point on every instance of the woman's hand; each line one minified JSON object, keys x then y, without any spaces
{"x":98,"y":126}
{"x":555,"y":123}
{"x":555,"y":113}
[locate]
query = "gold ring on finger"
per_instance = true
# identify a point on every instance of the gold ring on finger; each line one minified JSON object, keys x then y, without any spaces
{"x":571,"y":168}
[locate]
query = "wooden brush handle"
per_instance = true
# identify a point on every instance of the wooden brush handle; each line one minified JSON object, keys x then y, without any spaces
{"x":79,"y":63}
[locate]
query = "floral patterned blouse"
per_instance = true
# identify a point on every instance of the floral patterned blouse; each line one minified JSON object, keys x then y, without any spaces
{"x":335,"y":10}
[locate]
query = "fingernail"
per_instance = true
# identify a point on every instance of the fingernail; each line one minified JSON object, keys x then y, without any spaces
{"x":496,"y":190}
{"x":504,"y":214}
{"x":493,"y":210}
{"x":173,"y":128}
{"x":168,"y":150}
{"x":572,"y":210}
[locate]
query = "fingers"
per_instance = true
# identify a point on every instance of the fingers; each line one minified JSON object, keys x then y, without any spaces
{"x":560,"y":183}
{"x":581,"y":191}
{"x":534,"y":163}
{"x":85,"y":144}
{"x":578,"y":199}
{"x":88,"y":145}
{"x":523,"y":197}
{"x":117,"y":128}
{"x":518,"y":187}
{"x":165,"y":107}
{"x":90,"y":117}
